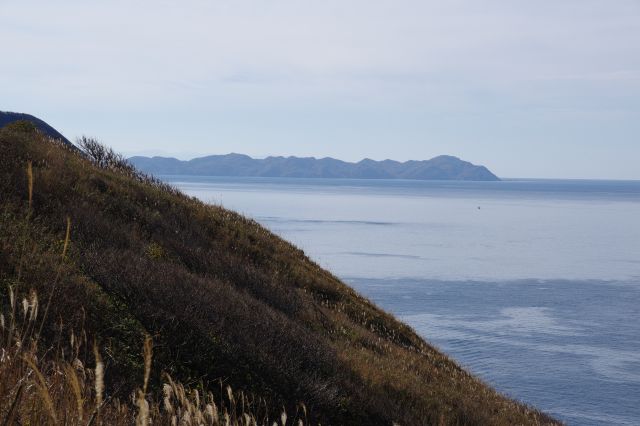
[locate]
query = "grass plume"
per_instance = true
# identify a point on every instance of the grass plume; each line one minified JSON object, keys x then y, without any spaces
{"x":99,"y":376}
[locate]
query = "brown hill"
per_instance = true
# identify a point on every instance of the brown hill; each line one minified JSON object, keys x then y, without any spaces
{"x":225,"y":300}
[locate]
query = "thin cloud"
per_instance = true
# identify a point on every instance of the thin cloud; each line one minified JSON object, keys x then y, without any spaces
{"x":367,"y":78}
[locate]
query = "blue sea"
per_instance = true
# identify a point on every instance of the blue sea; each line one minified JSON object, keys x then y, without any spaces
{"x":533,"y":285}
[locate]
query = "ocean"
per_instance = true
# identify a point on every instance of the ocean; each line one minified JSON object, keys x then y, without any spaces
{"x":532,"y":285}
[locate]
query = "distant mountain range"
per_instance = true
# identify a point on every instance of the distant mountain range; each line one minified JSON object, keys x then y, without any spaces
{"x":10,"y":117}
{"x":443,"y":167}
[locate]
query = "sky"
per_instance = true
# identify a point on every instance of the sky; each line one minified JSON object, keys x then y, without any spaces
{"x":544,"y":89}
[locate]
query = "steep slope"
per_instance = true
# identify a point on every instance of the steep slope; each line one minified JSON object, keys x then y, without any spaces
{"x":226,"y":301}
{"x":439,"y":168}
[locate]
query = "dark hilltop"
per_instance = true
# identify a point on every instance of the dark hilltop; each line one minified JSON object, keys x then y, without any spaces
{"x":10,"y":117}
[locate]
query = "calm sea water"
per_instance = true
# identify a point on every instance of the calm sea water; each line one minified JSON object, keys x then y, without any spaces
{"x":533,"y":285}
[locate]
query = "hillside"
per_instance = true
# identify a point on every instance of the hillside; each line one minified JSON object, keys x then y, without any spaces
{"x":11,"y":117}
{"x":439,"y":168}
{"x":225,"y":302}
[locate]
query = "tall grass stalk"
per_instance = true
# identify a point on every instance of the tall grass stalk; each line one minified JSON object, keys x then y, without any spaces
{"x":43,"y":391}
{"x":30,"y":183}
{"x":25,"y":224}
{"x":57,"y":277}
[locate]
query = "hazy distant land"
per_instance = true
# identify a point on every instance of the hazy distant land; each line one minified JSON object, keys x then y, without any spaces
{"x":443,"y":167}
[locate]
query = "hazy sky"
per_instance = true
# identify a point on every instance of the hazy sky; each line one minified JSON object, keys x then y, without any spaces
{"x":546,"y":88}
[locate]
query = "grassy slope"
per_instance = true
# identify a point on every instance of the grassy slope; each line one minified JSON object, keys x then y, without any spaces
{"x":223,"y":298}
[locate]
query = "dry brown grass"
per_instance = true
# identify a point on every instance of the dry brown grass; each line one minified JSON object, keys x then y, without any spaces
{"x":35,"y":390}
{"x":228,"y":304}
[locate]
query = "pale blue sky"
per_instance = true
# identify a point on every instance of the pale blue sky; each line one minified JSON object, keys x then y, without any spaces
{"x":547,"y":88}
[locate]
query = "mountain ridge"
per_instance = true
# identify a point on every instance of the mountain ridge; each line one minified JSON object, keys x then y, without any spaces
{"x":443,"y":167}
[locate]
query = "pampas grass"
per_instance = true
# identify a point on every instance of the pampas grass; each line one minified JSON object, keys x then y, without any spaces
{"x":55,"y":391}
{"x":148,"y":354}
{"x":60,"y":392}
{"x":99,"y":376}
{"x":41,"y":387}
{"x":74,"y":384}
